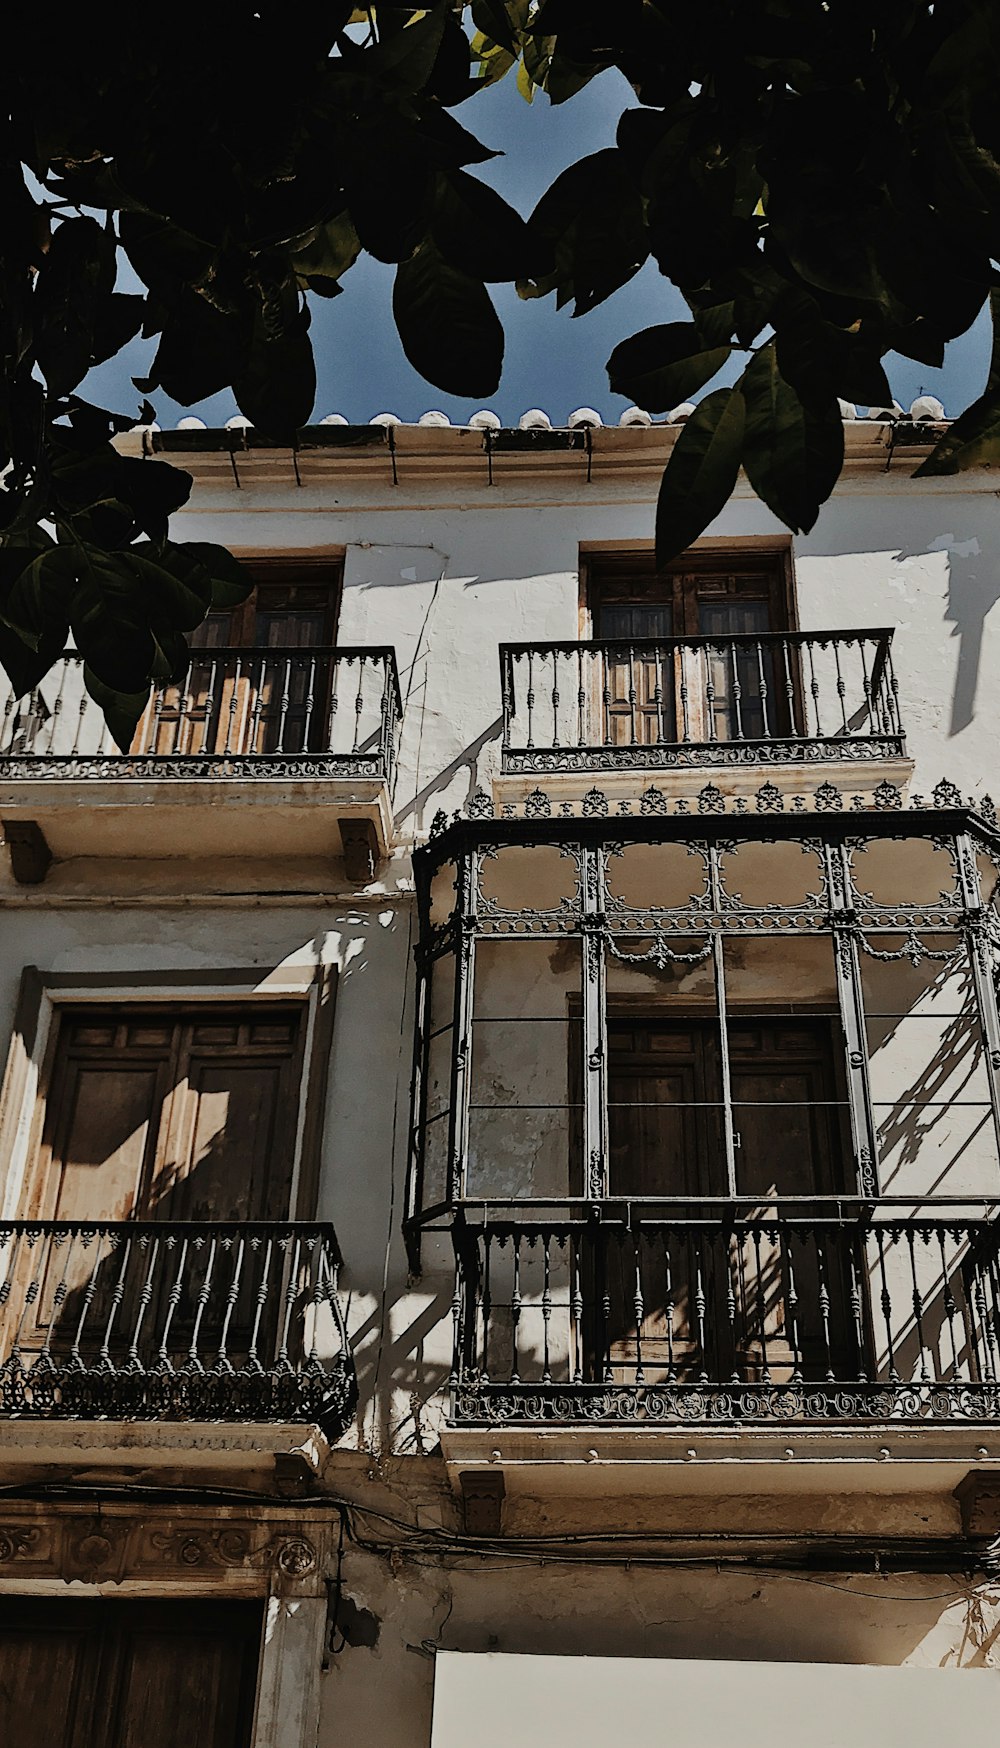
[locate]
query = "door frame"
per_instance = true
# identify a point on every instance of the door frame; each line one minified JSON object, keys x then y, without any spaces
{"x":279,"y":1557}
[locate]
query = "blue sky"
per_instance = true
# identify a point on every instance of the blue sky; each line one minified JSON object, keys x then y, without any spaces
{"x":552,"y":360}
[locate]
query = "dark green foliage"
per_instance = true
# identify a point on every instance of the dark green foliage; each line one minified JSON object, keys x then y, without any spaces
{"x":821,"y":182}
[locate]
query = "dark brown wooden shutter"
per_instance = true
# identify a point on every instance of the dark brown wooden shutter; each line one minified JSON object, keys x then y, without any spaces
{"x":117,"y":1673}
{"x":172,"y":1115}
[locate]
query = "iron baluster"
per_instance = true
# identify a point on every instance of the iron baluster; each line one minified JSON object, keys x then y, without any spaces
{"x":359,"y":704}
{"x":515,"y":1309}
{"x":55,"y":715}
{"x":871,"y":703}
{"x":260,"y":700}
{"x":546,"y":1307}
{"x":857,"y":1308}
{"x":765,"y":1365}
{"x":841,"y":687}
{"x":151,"y":1247}
{"x":530,"y":700}
{"x":948,"y":1302}
{"x":555,"y":697}
{"x":632,"y":696}
{"x":791,"y":1300}
{"x":789,"y":687}
{"x":762,"y":690}
{"x":208,"y":716}
{"x":737,"y":692}
{"x":204,"y":1293}
{"x":88,"y":1299}
{"x":310,"y":705}
{"x":638,"y":1305}
{"x":234,"y":699}
{"x":292,"y":1289}
{"x":700,"y":1305}
{"x":486,"y":1302}
{"x":685,"y":691}
{"x":173,"y":1301}
{"x":507,"y":691}
{"x":253,"y":1353}
{"x":657,"y":659}
{"x":886,"y":1301}
{"x":576,"y":1309}
{"x":232,"y":1294}
{"x":813,"y":685}
{"x":732,"y":1248}
{"x":711,"y":730}
{"x":668,"y":1307}
{"x":286,"y":692}
{"x":606,"y":695}
{"x":59,"y":1296}
{"x":602,"y":1247}
{"x":823,"y":1272}
{"x":581,"y":699}
{"x":918,"y":1310}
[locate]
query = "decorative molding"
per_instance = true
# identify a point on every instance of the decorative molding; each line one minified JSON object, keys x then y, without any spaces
{"x":266,"y":1553}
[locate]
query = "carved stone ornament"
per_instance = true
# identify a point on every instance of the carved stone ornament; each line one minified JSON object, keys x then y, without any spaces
{"x":150,"y":1544}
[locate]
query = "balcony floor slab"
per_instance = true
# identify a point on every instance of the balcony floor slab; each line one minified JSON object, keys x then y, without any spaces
{"x":596,"y":1462}
{"x":157,"y":1450}
{"x":159,"y":819}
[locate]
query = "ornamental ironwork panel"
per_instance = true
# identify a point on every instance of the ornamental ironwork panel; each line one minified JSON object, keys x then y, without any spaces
{"x":788,"y":697}
{"x":726,"y":1314}
{"x":158,"y":1321}
{"x":236,"y":714}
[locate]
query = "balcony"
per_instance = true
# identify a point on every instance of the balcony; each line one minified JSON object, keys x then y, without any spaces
{"x":632,"y":1315}
{"x":615,"y":709}
{"x":299,"y":726}
{"x":151,"y":1321}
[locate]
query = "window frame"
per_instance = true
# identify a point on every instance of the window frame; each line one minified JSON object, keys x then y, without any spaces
{"x":31,"y":1056}
{"x":612,"y":566}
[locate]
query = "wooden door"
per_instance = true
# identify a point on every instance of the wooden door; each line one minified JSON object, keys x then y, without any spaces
{"x":666,"y":1140}
{"x":235,"y":697}
{"x":636,"y":702}
{"x":160,"y":1115}
{"x":791,"y":1127}
{"x":666,"y":1137}
{"x":115,"y":1673}
{"x":722,"y":691}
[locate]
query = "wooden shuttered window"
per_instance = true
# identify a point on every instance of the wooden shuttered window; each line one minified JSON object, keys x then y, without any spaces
{"x":716,"y":594}
{"x":114,"y":1673}
{"x":157,"y":1114}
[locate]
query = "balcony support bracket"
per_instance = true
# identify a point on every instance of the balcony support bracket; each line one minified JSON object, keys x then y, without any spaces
{"x":360,"y":845}
{"x":27,"y":847}
{"x":482,"y":1501}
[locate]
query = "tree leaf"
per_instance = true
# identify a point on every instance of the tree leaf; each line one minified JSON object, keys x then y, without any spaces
{"x":277,"y":389}
{"x":663,"y":365}
{"x":593,"y":219}
{"x":793,"y":452}
{"x":74,"y":284}
{"x":121,"y":710}
{"x":476,"y":231}
{"x":974,"y":438}
{"x":232,"y":583}
{"x":701,"y":472}
{"x":447,"y":324}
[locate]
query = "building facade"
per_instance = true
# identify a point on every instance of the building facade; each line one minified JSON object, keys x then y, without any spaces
{"x":499,"y":1138}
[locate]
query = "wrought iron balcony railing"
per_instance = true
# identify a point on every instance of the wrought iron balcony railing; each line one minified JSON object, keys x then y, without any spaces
{"x":612,"y":705}
{"x":714,"y":1314}
{"x":154,"y":1321}
{"x":237,"y":712}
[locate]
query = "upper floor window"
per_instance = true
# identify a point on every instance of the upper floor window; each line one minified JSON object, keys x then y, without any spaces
{"x":717,"y":592}
{"x":736,"y":683}
{"x":294,"y":605}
